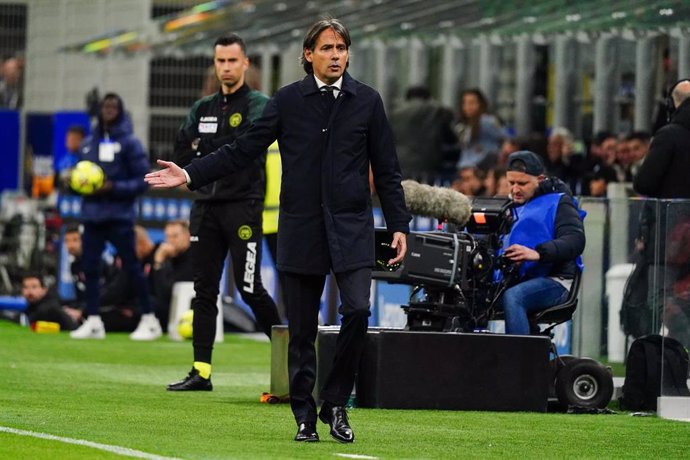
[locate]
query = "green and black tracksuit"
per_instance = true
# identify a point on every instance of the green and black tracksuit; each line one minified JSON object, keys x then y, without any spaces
{"x":226,"y":215}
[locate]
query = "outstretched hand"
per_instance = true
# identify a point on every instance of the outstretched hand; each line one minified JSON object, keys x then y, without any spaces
{"x":170,"y":176}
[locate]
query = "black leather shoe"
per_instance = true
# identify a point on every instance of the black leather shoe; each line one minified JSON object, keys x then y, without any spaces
{"x":307,"y":432}
{"x":193,"y":382}
{"x":336,"y":418}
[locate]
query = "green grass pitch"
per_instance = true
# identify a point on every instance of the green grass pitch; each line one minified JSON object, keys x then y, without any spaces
{"x":112,"y":392}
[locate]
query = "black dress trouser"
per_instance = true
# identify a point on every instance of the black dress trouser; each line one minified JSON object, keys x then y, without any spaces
{"x":302,"y":299}
{"x":215,"y":228}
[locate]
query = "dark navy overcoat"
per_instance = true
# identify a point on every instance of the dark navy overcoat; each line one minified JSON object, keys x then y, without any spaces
{"x":326,"y":219}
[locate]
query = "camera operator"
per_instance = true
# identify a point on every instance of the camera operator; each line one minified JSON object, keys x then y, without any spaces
{"x":546,"y":240}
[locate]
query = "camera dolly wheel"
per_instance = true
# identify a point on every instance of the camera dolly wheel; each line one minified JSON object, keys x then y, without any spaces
{"x":584,"y":382}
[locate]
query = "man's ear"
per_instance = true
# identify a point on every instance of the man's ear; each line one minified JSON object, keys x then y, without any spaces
{"x":540,"y":178}
{"x":308,"y":55}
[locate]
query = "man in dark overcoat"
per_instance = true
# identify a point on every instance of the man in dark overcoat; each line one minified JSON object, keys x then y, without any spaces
{"x":330,"y":129}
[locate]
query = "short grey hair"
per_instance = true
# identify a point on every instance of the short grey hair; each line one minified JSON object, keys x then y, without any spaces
{"x":563,"y":133}
{"x":312,"y":36}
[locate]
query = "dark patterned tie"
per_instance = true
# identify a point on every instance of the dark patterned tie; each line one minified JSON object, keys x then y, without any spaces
{"x":329,"y":96}
{"x":331,"y":90}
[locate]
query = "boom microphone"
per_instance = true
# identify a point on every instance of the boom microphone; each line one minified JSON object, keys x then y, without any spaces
{"x":437,"y":202}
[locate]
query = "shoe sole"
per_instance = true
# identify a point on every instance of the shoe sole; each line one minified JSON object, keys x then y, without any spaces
{"x":189,"y":389}
{"x":342,"y":441}
{"x":88,"y":338}
{"x":172,"y":388}
{"x":148,"y":338}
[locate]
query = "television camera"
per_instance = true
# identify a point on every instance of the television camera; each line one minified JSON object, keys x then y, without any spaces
{"x":453,"y":273}
{"x":458,"y":277}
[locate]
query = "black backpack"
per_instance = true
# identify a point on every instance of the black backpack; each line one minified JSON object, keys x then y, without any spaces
{"x":643,"y":372}
{"x":636,"y":316}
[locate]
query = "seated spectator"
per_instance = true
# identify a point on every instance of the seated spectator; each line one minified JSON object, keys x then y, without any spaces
{"x":469,"y":181}
{"x":72,"y":241}
{"x":43,"y":303}
{"x":479,"y":132}
{"x":496,"y":183}
{"x":598,"y":181}
{"x":639,"y":147}
{"x":599,"y":162}
{"x":603,"y":149}
{"x":510,"y":145}
{"x":145,"y":249}
{"x":171,"y":263}
{"x":624,"y":161}
{"x":561,"y":159}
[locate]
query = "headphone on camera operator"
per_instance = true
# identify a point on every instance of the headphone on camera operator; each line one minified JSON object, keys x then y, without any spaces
{"x":670,"y":105}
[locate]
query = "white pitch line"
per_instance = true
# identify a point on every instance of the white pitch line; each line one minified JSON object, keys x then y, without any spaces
{"x":124,"y":451}
{"x":367,"y":457}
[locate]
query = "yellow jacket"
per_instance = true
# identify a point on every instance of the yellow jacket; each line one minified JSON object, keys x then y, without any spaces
{"x":272,"y":200}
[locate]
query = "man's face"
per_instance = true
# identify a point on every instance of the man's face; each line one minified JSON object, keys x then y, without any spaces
{"x":470,"y":183}
{"x":72,"y":141}
{"x":11,"y":71}
{"x":142,"y":247}
{"x":522,"y":186}
{"x":502,"y":186}
{"x":508,"y":147}
{"x":32,"y":290}
{"x":608,"y":150}
{"x":638,"y":149}
{"x":178,"y":237}
{"x":110,"y":109}
{"x":554,"y":148}
{"x":73,"y":243}
{"x":624,"y":154}
{"x":329,"y":57}
{"x":230,"y":64}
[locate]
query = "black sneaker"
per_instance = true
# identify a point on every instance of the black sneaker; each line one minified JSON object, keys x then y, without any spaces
{"x":193,"y":382}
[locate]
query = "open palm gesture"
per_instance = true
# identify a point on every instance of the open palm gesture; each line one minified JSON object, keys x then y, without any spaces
{"x":170,"y":176}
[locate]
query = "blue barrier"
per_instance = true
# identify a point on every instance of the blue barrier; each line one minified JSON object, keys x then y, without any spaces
{"x":12,"y":303}
{"x":9,"y":150}
{"x":150,"y":209}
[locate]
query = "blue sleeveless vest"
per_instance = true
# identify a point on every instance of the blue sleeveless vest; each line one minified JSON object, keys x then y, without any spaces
{"x":535,"y":224}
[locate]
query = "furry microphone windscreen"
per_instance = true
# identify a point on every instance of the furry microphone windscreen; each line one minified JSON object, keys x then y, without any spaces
{"x":438,"y":202}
